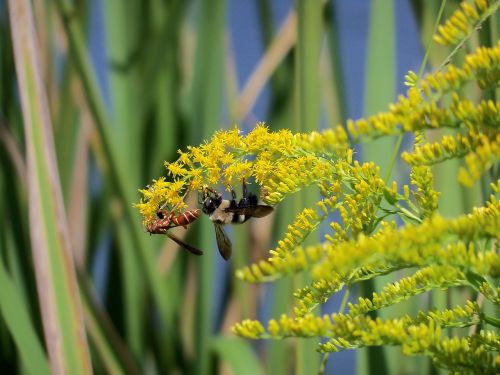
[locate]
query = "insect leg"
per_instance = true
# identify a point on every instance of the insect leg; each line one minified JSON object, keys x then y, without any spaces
{"x":233,"y":203}
{"x":245,"y":189}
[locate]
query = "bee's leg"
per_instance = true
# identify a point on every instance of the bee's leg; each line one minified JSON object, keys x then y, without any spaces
{"x":252,"y":199}
{"x":232,"y":202}
{"x":245,"y":190}
{"x":245,"y":202}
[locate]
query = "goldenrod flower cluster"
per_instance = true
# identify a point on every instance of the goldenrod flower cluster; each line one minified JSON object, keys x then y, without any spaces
{"x":477,"y":138}
{"x":425,"y":279}
{"x":480,"y":144}
{"x":230,"y":157}
{"x":356,"y":200}
{"x":425,"y":195}
{"x":420,"y":109}
{"x":420,"y":335}
{"x":352,"y":328}
{"x":159,"y":194}
{"x":429,"y":252}
{"x":435,"y":241}
{"x":465,"y":20}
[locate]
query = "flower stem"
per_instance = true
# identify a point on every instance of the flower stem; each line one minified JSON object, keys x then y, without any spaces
{"x":327,"y":354}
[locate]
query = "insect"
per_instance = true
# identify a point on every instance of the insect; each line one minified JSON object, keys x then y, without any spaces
{"x":224,"y":211}
{"x":167,"y":220}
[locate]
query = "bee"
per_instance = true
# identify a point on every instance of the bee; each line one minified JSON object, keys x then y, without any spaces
{"x":167,"y":220}
{"x":224,"y":211}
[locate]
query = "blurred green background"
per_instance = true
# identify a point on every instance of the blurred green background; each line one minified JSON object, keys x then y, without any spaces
{"x":113,"y":89}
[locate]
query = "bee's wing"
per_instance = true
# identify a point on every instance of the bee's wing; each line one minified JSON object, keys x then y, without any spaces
{"x":259,"y":210}
{"x":181,"y":243}
{"x":262,"y":210}
{"x":223,"y":242}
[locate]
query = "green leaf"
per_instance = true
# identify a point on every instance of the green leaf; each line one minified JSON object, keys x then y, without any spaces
{"x":491,"y":320}
{"x":238,"y":354}
{"x":205,"y":105}
{"x":111,"y":350}
{"x":19,"y":323}
{"x":380,"y":89}
{"x":389,"y":197}
{"x":123,"y":187}
{"x":56,"y":277}
{"x":474,"y":279}
{"x":308,"y":104}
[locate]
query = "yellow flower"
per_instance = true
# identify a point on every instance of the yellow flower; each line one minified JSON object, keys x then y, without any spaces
{"x":463,"y":21}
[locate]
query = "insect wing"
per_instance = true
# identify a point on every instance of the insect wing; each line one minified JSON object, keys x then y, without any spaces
{"x":255,"y":211}
{"x":178,"y":241}
{"x":223,"y":242}
{"x":262,"y":210}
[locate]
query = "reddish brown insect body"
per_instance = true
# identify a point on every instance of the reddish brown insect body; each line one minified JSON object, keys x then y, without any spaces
{"x":167,"y":220}
{"x":185,"y":218}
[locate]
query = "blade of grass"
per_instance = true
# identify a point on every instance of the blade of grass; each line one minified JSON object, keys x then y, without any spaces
{"x":333,"y":84}
{"x":238,"y":354}
{"x":276,"y":52}
{"x":19,"y":323}
{"x":123,"y":18}
{"x":66,"y":128}
{"x":112,"y":351}
{"x":162,"y":81}
{"x":334,"y":104}
{"x":163,"y":78}
{"x":12,"y":150}
{"x":206,"y":93}
{"x":14,"y":215}
{"x":380,"y":83}
{"x":162,"y":71}
{"x":275,"y":69}
{"x":133,"y":292}
{"x":310,"y":29}
{"x":243,"y":300}
{"x":429,"y":16}
{"x":380,"y":86}
{"x":56,"y":278}
{"x":121,"y":185}
{"x":307,"y":105}
{"x":278,"y":353}
{"x":77,"y":197}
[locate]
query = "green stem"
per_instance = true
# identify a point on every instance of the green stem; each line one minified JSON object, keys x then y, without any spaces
{"x":491,"y":320}
{"x":420,"y":72}
{"x":429,"y":43}
{"x":459,"y":46}
{"x":395,"y":154}
{"x":341,"y":310}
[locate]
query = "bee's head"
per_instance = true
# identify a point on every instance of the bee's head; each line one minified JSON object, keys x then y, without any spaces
{"x":211,"y":202}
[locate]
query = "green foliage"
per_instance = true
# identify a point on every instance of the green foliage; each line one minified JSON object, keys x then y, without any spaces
{"x":440,"y":253}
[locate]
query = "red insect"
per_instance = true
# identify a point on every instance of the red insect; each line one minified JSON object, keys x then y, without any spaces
{"x":167,"y":220}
